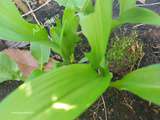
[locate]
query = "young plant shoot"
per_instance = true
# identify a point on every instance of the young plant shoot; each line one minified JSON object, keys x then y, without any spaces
{"x":67,"y":91}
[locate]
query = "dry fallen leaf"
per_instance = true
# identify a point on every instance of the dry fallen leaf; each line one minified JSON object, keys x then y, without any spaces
{"x":24,"y":59}
{"x":49,"y":65}
{"x":26,"y":62}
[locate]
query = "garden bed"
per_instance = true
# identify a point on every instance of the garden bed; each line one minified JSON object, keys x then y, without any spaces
{"x":122,"y":105}
{"x":114,"y":104}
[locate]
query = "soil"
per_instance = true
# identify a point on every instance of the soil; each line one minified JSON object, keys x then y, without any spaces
{"x":122,"y":105}
{"x":7,"y":87}
{"x":114,"y":104}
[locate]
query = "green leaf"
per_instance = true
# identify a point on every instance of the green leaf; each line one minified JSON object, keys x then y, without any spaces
{"x":35,"y":74}
{"x":96,"y":27}
{"x":138,"y":15}
{"x":60,"y":94}
{"x":88,"y":7}
{"x":78,"y":4}
{"x":84,"y":6}
{"x":66,"y":34}
{"x":144,"y":82}
{"x":8,"y":68}
{"x":126,"y":5}
{"x":14,"y":27}
{"x":40,"y":52}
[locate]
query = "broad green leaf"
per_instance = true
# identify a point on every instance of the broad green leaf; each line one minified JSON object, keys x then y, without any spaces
{"x":62,"y":94}
{"x":144,"y":82}
{"x":138,"y":15}
{"x":126,"y":5}
{"x":40,"y":52}
{"x":66,"y":34}
{"x":35,"y":74}
{"x":8,"y":68}
{"x":14,"y":27}
{"x":96,"y":27}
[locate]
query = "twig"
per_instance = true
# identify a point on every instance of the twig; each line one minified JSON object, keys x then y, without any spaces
{"x":32,"y":11}
{"x":158,"y":46}
{"x":136,"y":26}
{"x":104,"y":104}
{"x":139,"y":62}
{"x":151,"y":4}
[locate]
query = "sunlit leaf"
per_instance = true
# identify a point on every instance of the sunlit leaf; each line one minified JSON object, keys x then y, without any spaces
{"x":60,"y":94}
{"x":14,"y":27}
{"x":144,"y":82}
{"x":96,"y":27}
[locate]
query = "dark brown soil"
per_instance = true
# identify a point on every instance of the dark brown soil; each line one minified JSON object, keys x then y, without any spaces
{"x":122,"y":105}
{"x":7,"y":87}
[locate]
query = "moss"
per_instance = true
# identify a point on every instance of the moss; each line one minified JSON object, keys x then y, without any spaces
{"x":124,"y":53}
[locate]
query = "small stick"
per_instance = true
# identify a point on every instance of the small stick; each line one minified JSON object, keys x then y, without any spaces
{"x":32,"y":12}
{"x":104,"y":104}
{"x":151,"y":4}
{"x":158,"y":46}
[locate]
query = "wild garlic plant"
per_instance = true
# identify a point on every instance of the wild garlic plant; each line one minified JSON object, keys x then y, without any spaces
{"x":65,"y":92}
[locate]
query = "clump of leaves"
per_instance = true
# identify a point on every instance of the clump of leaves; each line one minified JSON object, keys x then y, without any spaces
{"x":124,"y":53}
{"x":57,"y":91}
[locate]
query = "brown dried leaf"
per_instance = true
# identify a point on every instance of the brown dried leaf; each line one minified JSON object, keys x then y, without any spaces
{"x":49,"y":65}
{"x":24,"y":59}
